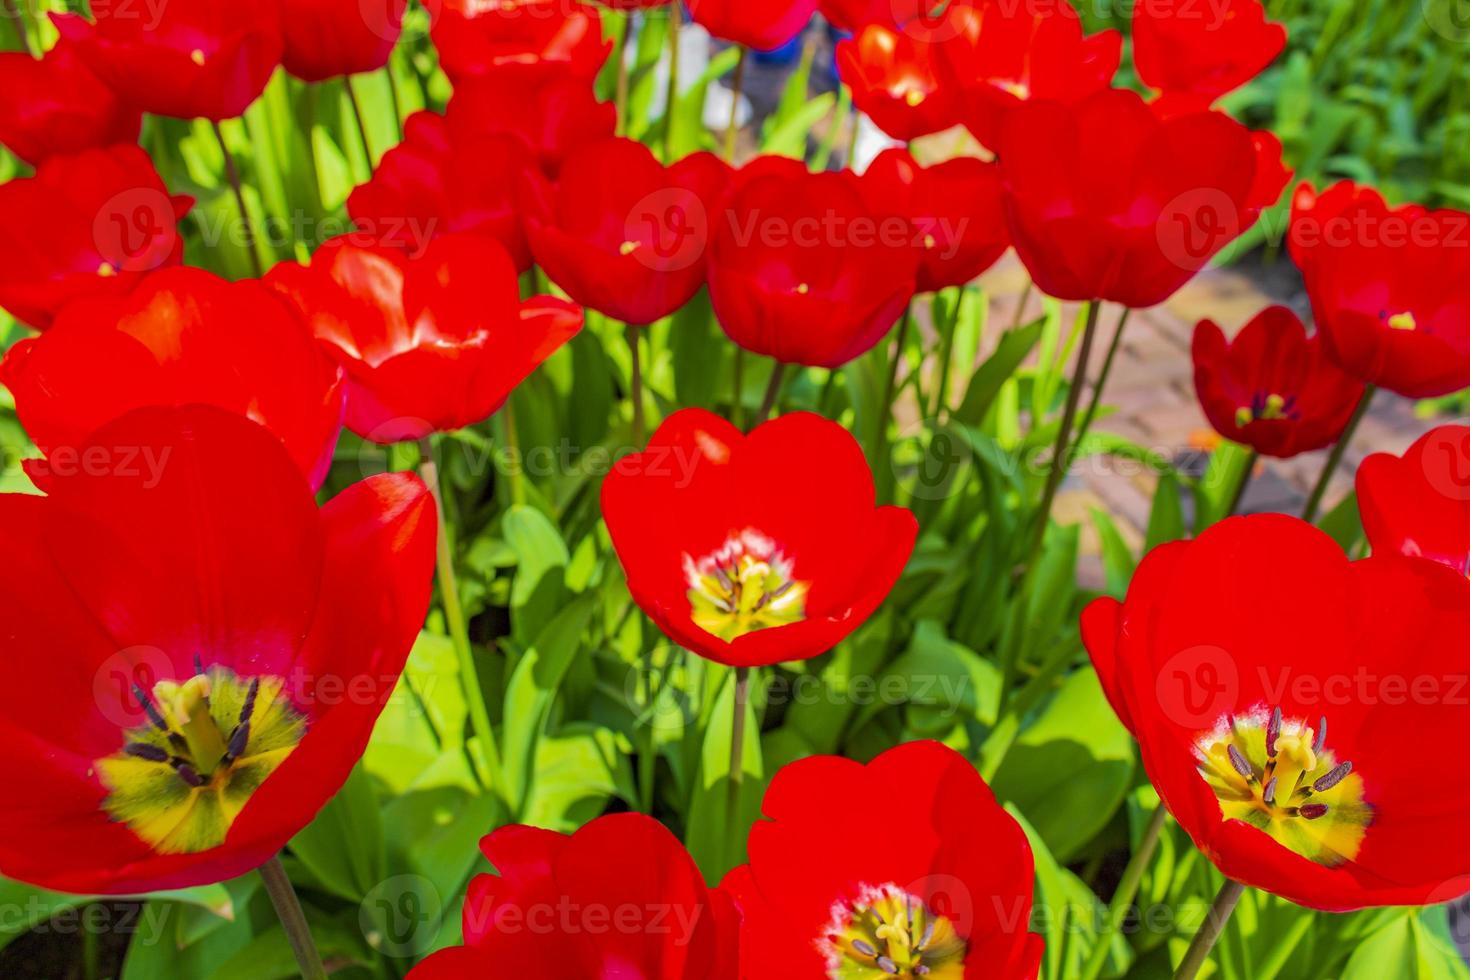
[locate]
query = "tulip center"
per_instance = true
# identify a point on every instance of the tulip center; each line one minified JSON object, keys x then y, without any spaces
{"x":1266,"y":407}
{"x":744,"y":586}
{"x":628,"y":248}
{"x":210,"y":742}
{"x":1400,"y":321}
{"x":1278,"y":775}
{"x":106,"y":270}
{"x":197,"y":56}
{"x":914,"y":98}
{"x":890,"y":933}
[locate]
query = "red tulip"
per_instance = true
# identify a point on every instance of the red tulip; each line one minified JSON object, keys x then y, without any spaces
{"x":213,"y":650}
{"x":633,"y":4}
{"x":84,"y":225}
{"x":473,"y":36}
{"x":895,"y":78}
{"x":1273,"y":388}
{"x":802,"y":269}
{"x":430,"y":343}
{"x":1250,"y":700}
{"x":549,"y":111}
{"x":956,"y":208}
{"x":434,"y":183}
{"x":1419,"y":504}
{"x":1107,"y":201}
{"x":1203,"y":49}
{"x":331,"y":38}
{"x":851,"y":16}
{"x":619,"y":898}
{"x":1002,"y":54}
{"x":939,"y":886}
{"x":759,"y":549}
{"x":190,"y":59}
{"x":55,"y":105}
{"x":760,"y":24}
{"x":1390,"y":287}
{"x":622,"y":233}
{"x":183,"y":336}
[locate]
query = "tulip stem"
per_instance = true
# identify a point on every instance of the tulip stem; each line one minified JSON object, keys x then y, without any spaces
{"x":394,"y":98}
{"x":1127,"y":891}
{"x":293,"y":919}
{"x":232,"y":174}
{"x":946,"y":355}
{"x":1334,"y":458}
{"x":881,"y":464}
{"x":636,"y":384}
{"x":18,"y":20}
{"x":1245,"y":482}
{"x":773,"y":392}
{"x":737,"y":746}
{"x":515,"y":471}
{"x":737,"y":88}
{"x":621,"y":92}
{"x":737,"y":403}
{"x":454,"y":618}
{"x":1062,"y":452}
{"x":675,"y":19}
{"x":1021,"y":304}
{"x":1209,"y":933}
{"x":362,"y":133}
{"x":1102,"y":379}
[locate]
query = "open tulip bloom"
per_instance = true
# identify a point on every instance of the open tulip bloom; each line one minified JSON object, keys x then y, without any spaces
{"x":1419,"y":503}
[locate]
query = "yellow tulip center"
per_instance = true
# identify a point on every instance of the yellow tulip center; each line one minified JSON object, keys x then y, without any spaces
{"x":1264,"y":407}
{"x":890,"y":933}
{"x":744,"y":586}
{"x":1401,"y":321}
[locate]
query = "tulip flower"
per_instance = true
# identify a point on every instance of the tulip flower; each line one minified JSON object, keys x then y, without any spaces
{"x":182,"y":336}
{"x":209,"y":685}
{"x":956,"y":210}
{"x":620,"y":897}
{"x":851,"y":16}
{"x":894,"y":76}
{"x":803,"y":270}
{"x":622,"y":233}
{"x":87,"y":224}
{"x":430,"y":343}
{"x":1108,"y":201}
{"x":1390,"y":287}
{"x":331,"y":38}
{"x":1273,"y":388}
{"x":549,"y":111}
{"x":1284,"y":767}
{"x":474,"y":36}
{"x":760,"y":24}
{"x":940,"y":886}
{"x":433,"y":183}
{"x":1205,"y":50}
{"x":1001,"y":54}
{"x":1419,"y":504}
{"x":190,"y":59}
{"x":759,"y":549}
{"x":54,"y":105}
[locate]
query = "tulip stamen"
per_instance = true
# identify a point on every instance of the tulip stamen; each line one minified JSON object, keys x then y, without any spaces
{"x":894,"y":933}
{"x":1399,"y":321}
{"x":746,"y":585}
{"x":1267,"y":407}
{"x":1250,"y":759}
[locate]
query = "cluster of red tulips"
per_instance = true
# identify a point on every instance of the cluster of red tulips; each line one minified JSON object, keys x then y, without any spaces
{"x":185,"y":425}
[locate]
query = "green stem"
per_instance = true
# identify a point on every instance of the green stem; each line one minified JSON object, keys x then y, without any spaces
{"x":737,"y":404}
{"x":394,"y":99}
{"x":636,"y":384}
{"x":946,"y":354}
{"x":621,"y":92}
{"x":881,"y":463}
{"x":675,"y":18}
{"x":1127,"y":891}
{"x":454,"y":617}
{"x":293,"y":919}
{"x":515,"y":468}
{"x":362,"y":133}
{"x":773,"y":392}
{"x":648,"y":745}
{"x":1021,"y":305}
{"x":737,"y":88}
{"x":13,"y":13}
{"x":1334,"y":459}
{"x":91,"y":948}
{"x":1061,"y":459}
{"x":737,"y":743}
{"x":1102,"y":379}
{"x":1209,"y":933}
{"x":1245,"y":481}
{"x":233,"y":176}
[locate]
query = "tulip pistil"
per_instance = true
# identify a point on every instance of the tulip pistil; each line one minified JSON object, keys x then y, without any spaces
{"x":744,"y":586}
{"x":890,"y":933}
{"x":209,"y":743}
{"x":1401,"y":321}
{"x":1278,"y":775}
{"x":1267,"y":407}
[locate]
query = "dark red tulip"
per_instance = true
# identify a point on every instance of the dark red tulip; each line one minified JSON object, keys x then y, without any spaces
{"x":760,"y":24}
{"x":852,"y":16}
{"x":957,"y":211}
{"x":1271,"y":719}
{"x":1203,"y":49}
{"x":1272,"y":388}
{"x":194,"y":59}
{"x":622,"y":233}
{"x":1390,"y":287}
{"x":214,"y":650}
{"x":330,"y":38}
{"x":803,"y":270}
{"x":549,"y":111}
{"x":759,"y":549}
{"x":55,"y":105}
{"x":895,"y":78}
{"x":182,"y":336}
{"x":1419,"y":504}
{"x":1000,"y":54}
{"x":433,"y":183}
{"x":430,"y":343}
{"x":473,"y":36}
{"x":1105,"y":200}
{"x":84,"y":225}
{"x":938,"y":887}
{"x":619,"y":898}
